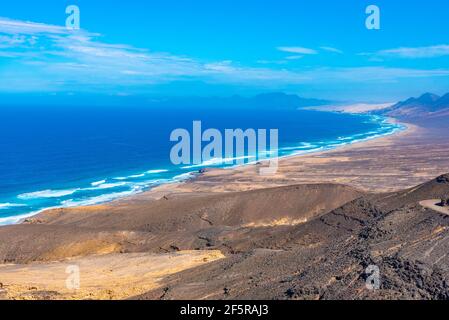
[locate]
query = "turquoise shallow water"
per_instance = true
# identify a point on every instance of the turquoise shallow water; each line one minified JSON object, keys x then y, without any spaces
{"x":64,"y":157}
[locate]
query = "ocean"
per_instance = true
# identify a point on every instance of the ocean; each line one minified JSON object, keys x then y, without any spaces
{"x":72,"y":156}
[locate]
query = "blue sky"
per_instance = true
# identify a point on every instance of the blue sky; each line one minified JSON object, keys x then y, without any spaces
{"x":317,"y":48}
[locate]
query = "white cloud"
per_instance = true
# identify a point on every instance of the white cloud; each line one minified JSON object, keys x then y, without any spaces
{"x":30,"y":28}
{"x":331,"y":49}
{"x":414,"y":53}
{"x":9,"y":41}
{"x":278,"y":62}
{"x":299,"y":50}
{"x":374,"y":74}
{"x":296,"y":57}
{"x":308,"y":51}
{"x":46,"y":57}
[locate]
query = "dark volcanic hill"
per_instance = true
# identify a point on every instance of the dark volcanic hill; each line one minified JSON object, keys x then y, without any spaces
{"x":295,"y":242}
{"x":426,"y":106}
{"x":328,"y":257}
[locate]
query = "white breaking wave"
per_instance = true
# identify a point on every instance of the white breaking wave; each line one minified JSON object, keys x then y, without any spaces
{"x":107,"y":186}
{"x":99,"y":199}
{"x":302,"y":146}
{"x":141,"y":175}
{"x":47,"y":194}
{"x":16,"y":219}
{"x":137,"y":175}
{"x":4,"y":206}
{"x":217,"y":162}
{"x":96,"y":184}
{"x":156,"y":171}
{"x":184,"y":176}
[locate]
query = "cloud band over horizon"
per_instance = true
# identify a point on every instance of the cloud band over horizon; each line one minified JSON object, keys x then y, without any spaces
{"x":49,"y":58}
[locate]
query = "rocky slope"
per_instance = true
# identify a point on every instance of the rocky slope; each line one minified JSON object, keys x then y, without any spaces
{"x":295,"y":242}
{"x":327,"y":257}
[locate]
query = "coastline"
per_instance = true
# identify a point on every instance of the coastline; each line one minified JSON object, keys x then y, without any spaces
{"x":209,"y":176}
{"x":139,"y":188}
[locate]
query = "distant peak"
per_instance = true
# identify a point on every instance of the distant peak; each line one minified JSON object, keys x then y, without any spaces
{"x":428,"y":97}
{"x":445,"y":97}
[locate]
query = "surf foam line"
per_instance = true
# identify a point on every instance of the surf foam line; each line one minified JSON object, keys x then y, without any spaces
{"x":141,"y":175}
{"x":70,"y":204}
{"x":388,"y":127}
{"x":98,"y":185}
{"x":19,"y":218}
{"x":108,"y":197}
{"x":47,"y":194}
{"x":4,"y":206}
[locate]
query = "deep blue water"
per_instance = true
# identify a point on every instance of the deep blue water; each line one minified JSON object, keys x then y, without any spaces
{"x":53,"y":157}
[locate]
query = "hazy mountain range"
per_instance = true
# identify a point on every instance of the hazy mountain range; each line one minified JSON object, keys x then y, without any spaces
{"x":427,"y":106}
{"x":275,"y":100}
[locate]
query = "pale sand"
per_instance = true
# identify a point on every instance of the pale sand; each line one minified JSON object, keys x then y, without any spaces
{"x":113,"y":276}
